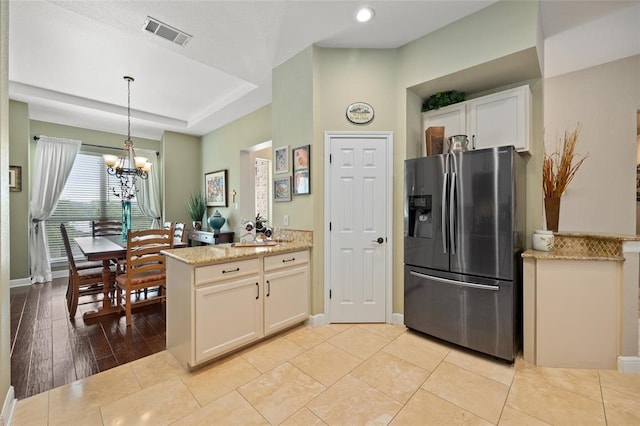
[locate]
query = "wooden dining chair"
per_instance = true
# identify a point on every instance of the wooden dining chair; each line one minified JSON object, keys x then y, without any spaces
{"x":85,"y":278}
{"x":101,"y":228}
{"x":145,"y":268}
{"x":178,"y":232}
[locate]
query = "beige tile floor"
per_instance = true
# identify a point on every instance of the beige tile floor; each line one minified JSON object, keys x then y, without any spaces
{"x":340,"y":375}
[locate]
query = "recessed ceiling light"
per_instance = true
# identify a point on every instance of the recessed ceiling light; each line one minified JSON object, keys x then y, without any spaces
{"x":365,"y":14}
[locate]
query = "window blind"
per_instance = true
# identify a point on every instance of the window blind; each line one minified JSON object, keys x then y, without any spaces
{"x":87,"y":196}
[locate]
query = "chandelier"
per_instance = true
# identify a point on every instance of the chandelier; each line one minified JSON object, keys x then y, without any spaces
{"x":127,"y":167}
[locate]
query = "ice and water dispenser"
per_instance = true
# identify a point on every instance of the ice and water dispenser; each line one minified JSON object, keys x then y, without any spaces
{"x":420,"y":216}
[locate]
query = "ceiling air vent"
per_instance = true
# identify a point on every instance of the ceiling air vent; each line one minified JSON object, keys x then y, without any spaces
{"x":165,"y":31}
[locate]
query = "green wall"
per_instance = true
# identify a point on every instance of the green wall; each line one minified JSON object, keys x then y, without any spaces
{"x":344,"y":76}
{"x":5,"y":318}
{"x":221,"y":150}
{"x":19,"y":156}
{"x":182,"y":174}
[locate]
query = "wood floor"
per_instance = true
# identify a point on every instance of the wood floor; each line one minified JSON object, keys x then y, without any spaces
{"x":49,"y":350}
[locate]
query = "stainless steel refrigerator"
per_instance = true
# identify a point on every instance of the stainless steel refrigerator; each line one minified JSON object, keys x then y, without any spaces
{"x":464,"y":219}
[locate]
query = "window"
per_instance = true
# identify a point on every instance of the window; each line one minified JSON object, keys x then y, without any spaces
{"x":87,"y":196}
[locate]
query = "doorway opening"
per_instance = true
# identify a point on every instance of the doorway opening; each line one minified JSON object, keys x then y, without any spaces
{"x":255,"y":182}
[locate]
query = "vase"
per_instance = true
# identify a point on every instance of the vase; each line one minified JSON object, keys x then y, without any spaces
{"x":552,"y":212}
{"x":126,"y":219}
{"x":197,"y":225}
{"x":216,"y":221}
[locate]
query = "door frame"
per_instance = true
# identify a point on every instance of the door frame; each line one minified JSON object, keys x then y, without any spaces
{"x":388,"y":136}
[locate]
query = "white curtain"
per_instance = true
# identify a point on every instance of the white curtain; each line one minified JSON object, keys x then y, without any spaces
{"x":54,"y":160}
{"x":149,"y":189}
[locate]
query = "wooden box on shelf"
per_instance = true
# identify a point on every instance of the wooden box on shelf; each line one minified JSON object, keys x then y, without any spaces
{"x":434,"y":140}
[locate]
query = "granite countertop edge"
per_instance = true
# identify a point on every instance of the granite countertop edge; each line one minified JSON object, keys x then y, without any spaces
{"x":566,"y":255}
{"x":599,"y":236}
{"x":221,"y":253}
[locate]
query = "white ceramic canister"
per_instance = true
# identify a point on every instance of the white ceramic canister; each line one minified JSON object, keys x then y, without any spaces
{"x":543,"y":240}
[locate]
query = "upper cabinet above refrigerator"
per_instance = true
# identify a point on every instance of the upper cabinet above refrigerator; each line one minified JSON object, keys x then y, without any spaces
{"x":499,"y":119}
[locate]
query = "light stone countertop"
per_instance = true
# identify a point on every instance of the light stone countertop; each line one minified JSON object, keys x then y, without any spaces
{"x":584,"y":246}
{"x":221,"y":253}
{"x":567,"y":255}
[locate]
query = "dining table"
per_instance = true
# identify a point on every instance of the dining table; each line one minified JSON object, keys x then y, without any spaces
{"x":106,"y":249}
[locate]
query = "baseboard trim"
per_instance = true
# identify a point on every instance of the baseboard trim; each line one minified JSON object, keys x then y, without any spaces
{"x":397,"y":319}
{"x":316,"y":320}
{"x":22,"y":282}
{"x":629,"y":364}
{"x":8,"y":407}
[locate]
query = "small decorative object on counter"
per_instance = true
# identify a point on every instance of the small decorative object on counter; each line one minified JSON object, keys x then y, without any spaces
{"x":458,"y":143}
{"x":543,"y":240}
{"x":247,"y":232}
{"x":216,"y":221}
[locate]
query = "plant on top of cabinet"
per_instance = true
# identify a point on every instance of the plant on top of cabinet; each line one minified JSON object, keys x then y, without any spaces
{"x":442,"y":99}
{"x":197,"y":207}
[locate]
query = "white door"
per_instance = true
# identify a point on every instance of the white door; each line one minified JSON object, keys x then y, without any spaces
{"x":358,"y":237}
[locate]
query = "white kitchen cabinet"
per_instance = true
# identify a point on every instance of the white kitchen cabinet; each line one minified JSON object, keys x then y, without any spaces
{"x":286,"y":281}
{"x":499,"y":119}
{"x":216,"y":308}
{"x":452,"y":118}
{"x":228,"y":315}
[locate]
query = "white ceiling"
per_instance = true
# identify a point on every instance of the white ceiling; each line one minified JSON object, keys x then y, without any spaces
{"x":67,"y":58}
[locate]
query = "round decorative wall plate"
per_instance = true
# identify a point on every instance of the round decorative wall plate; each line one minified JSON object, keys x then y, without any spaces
{"x":360,"y":113}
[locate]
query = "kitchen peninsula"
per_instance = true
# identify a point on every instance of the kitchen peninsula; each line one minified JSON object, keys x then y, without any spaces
{"x":223,"y":297}
{"x":580,"y":303}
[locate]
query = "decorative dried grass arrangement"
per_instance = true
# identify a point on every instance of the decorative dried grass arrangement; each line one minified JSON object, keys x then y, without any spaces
{"x":558,"y":168}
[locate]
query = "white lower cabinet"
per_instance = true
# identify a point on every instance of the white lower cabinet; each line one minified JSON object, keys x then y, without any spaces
{"x":215,"y":309}
{"x":286,"y":299}
{"x":227,"y":315}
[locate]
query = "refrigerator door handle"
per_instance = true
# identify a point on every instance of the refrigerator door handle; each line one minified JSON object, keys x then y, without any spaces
{"x":443,"y":225}
{"x":458,"y":283}
{"x":452,"y":214}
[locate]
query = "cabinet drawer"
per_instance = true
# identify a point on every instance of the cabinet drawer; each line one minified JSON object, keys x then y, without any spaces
{"x":286,"y":260}
{"x":203,"y":237}
{"x":226,"y":271}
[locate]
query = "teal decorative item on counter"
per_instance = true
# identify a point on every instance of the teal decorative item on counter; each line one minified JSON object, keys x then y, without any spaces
{"x":216,"y":221}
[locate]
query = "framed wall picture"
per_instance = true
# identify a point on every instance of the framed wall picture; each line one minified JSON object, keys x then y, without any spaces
{"x":215,"y":184}
{"x":301,"y":182}
{"x":301,"y":170}
{"x":301,"y":157}
{"x":15,"y":178}
{"x":282,"y":189}
{"x":282,"y":159}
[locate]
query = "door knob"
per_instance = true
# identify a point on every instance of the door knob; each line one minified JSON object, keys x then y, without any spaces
{"x":380,"y":240}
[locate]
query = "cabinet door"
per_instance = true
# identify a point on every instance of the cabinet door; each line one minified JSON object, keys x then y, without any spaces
{"x":227,"y":315}
{"x":452,"y":117}
{"x":500,"y":119}
{"x":286,"y":299}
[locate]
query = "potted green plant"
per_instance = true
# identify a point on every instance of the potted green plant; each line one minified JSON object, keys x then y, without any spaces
{"x":197,"y":207}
